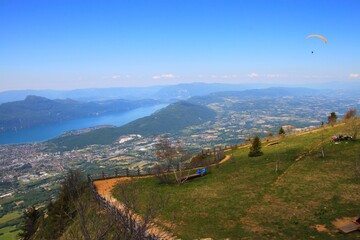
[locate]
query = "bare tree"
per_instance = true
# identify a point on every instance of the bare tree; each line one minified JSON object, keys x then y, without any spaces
{"x":161,"y":173}
{"x":182,"y":161}
{"x":165,"y":151}
{"x":175,"y":157}
{"x":350,"y":114}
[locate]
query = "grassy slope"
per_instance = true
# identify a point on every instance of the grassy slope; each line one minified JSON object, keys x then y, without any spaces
{"x":9,"y":232}
{"x":247,"y":199}
{"x":10,"y":216}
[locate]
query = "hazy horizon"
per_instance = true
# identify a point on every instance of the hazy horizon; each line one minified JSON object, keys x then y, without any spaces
{"x":65,"y":45}
{"x":254,"y":85}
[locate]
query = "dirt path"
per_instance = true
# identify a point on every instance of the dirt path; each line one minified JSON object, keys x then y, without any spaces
{"x":104,"y":188}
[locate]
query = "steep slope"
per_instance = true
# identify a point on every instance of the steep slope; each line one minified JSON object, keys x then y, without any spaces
{"x":246,"y":198}
{"x":306,"y":199}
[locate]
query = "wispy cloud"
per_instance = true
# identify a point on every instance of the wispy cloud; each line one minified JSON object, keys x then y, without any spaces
{"x":253,"y":75}
{"x":166,"y":75}
{"x":117,"y":77}
{"x":354,"y":75}
{"x":214,"y":76}
{"x":276,"y":75}
{"x":318,"y":76}
{"x":268,"y":75}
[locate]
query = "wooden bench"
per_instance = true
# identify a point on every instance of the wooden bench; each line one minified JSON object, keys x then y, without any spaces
{"x":195,"y":175}
{"x":351,"y":227}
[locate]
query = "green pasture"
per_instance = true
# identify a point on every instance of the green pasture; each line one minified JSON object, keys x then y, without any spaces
{"x":247,"y":199}
{"x":9,"y":232}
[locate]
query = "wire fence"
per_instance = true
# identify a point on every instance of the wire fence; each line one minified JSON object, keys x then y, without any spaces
{"x":213,"y":156}
{"x":207,"y":157}
{"x":120,"y":215}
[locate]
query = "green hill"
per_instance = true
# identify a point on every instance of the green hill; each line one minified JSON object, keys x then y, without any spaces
{"x":37,"y":111}
{"x":248,"y":199}
{"x":171,"y":119}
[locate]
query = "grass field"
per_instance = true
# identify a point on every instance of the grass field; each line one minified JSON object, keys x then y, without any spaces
{"x":246,"y":199}
{"x":10,"y":216}
{"x":9,"y":233}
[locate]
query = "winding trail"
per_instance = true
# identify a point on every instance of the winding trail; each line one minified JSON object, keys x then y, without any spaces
{"x":104,"y":188}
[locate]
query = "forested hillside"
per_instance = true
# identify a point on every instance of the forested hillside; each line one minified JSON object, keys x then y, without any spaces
{"x":171,"y":119}
{"x":35,"y":111}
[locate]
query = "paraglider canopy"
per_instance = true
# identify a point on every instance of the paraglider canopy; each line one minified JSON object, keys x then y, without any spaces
{"x":317,"y":36}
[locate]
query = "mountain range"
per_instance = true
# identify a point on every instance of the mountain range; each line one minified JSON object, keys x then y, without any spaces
{"x":240,"y":111}
{"x":168,"y":92}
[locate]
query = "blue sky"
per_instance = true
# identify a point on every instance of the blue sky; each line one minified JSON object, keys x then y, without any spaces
{"x":84,"y":44}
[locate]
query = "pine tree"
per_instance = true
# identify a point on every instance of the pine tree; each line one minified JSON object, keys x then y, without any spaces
{"x":281,"y":131}
{"x":255,"y":149}
{"x":332,"y":118}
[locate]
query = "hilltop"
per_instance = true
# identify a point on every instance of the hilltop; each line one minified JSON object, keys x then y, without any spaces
{"x":308,"y":198}
{"x":246,"y":198}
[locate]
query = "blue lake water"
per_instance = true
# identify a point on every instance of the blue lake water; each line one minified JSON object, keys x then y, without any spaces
{"x":43,"y":133}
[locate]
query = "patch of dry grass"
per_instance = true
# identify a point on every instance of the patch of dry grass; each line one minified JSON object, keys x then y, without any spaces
{"x":247,"y":199}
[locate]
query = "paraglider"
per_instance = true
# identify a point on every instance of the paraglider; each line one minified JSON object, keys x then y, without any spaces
{"x":317,"y":36}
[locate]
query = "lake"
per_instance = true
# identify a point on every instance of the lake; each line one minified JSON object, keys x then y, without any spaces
{"x":43,"y":133}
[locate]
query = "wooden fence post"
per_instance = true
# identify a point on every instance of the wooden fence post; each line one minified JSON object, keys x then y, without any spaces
{"x":138,"y":171}
{"x":277,"y":166}
{"x":127,"y":172}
